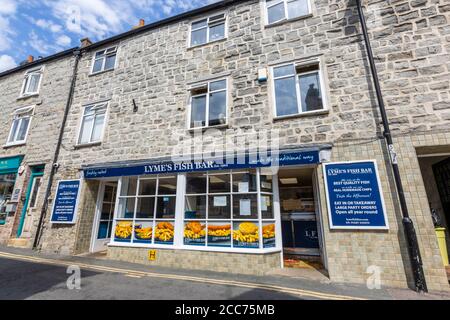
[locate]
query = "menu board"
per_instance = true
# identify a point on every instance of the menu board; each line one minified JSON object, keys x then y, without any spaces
{"x":355,"y":200}
{"x":66,"y":202}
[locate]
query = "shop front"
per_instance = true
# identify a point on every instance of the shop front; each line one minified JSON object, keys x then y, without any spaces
{"x":8,"y":174}
{"x":241,"y":215}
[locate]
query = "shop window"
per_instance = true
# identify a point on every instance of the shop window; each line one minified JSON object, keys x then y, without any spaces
{"x":146,"y":210}
{"x":32,"y":82}
{"x":20,"y":126}
{"x":104,"y":60}
{"x":208,"y":30}
{"x":222,"y":210}
{"x":93,"y":123}
{"x":280,"y":10}
{"x":209,"y":105}
{"x":7,"y":182}
{"x":298,"y":89}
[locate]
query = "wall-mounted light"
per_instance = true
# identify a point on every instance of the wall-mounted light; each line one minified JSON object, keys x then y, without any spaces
{"x":262,"y":75}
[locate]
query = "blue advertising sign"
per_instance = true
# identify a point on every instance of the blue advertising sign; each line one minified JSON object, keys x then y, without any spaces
{"x":66,"y":202}
{"x":243,"y":162}
{"x":355,"y":199}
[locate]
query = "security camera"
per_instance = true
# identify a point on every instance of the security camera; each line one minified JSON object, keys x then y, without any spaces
{"x":56,"y":165}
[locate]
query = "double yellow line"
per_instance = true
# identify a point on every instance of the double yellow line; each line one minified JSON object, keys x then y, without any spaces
{"x":139,"y":274}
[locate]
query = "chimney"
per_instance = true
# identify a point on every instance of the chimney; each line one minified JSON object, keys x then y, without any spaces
{"x":140,"y":25}
{"x":30,"y":59}
{"x":85,"y":42}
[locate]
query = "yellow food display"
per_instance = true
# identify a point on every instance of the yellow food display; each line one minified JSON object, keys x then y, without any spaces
{"x":143,"y":233}
{"x":124,"y":230}
{"x":164,"y":231}
{"x":219,"y":231}
{"x":194,"y":230}
{"x":269,"y":231}
{"x":248,"y":232}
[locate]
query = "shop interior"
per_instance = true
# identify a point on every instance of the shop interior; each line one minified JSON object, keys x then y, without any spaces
{"x":6,"y":189}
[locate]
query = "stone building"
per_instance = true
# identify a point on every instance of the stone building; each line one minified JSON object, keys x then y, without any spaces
{"x":293,"y":75}
{"x":33,"y":98}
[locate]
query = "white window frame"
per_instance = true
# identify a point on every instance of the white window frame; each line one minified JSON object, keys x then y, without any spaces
{"x":208,"y":26}
{"x":208,"y":92}
{"x":80,"y":128}
{"x":19,"y":115}
{"x":26,"y":84}
{"x":286,"y":11}
{"x":323,"y":91}
{"x":116,"y":50}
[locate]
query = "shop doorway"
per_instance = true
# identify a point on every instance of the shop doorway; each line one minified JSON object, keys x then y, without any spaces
{"x":31,"y":200}
{"x":104,"y":216}
{"x":299,"y":218}
{"x":441,"y":172}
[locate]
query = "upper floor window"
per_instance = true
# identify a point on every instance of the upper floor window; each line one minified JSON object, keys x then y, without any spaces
{"x":20,"y":126}
{"x":93,"y":123}
{"x":32,"y":82}
{"x":298,"y":89}
{"x":208,"y":30}
{"x":209,"y":104}
{"x":104,"y":60}
{"x":279,"y":10}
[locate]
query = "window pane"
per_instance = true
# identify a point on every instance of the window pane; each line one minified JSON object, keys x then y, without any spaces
{"x":196,"y":183}
{"x":266,"y":183}
{"x":129,"y":186}
{"x":143,"y":232}
{"x":219,"y":207}
{"x":123,"y":231}
{"x":34,"y":83}
{"x":310,"y":92}
{"x":217,"y":32}
{"x":98,"y":128}
{"x":219,"y":183}
{"x":276,"y":13}
{"x":165,"y":207}
{"x":198,"y":118}
{"x":99,"y":54}
{"x":106,"y":211}
{"x":110,"y":62}
{"x":103,"y":230}
{"x":297,"y":8}
{"x":164,"y":232}
{"x":269,"y":234}
{"x":13,"y":130}
{"x":126,"y":208}
{"x":145,"y":208}
{"x":195,"y":207}
{"x":218,"y":85}
{"x":23,"y":129}
{"x":147,"y":187}
{"x":286,"y":96}
{"x":86,"y":129}
{"x":244,"y":182}
{"x":27,"y":78}
{"x":245,"y":235}
{"x":219,"y":234}
{"x":195,"y":233}
{"x":98,"y":64}
{"x":218,"y":108}
{"x":288,"y":70}
{"x":34,"y":194}
{"x":200,"y":24}
{"x":168,"y":186}
{"x":245,"y":206}
{"x":266,"y":207}
{"x":199,"y":37}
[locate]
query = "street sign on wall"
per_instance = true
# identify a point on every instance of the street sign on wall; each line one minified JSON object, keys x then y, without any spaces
{"x":66,"y":202}
{"x":354,"y":196}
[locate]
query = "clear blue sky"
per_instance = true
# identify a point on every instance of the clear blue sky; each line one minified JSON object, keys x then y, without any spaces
{"x":44,"y":27}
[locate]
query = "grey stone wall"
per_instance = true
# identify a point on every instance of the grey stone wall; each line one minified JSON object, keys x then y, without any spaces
{"x":44,"y":127}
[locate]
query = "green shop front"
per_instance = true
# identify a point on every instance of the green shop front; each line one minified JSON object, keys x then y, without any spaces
{"x":249,"y":212}
{"x":8,"y":173}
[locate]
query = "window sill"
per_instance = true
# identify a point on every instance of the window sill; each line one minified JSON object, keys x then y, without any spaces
{"x":302,"y":115}
{"x":207,"y":43}
{"x":279,"y":23}
{"x":93,"y":74}
{"x":12,"y":145}
{"x":23,"y":97}
{"x":87,"y":145}
{"x":220,"y":126}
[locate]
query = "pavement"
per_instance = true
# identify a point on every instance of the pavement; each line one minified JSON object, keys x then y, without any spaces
{"x":30,"y":275}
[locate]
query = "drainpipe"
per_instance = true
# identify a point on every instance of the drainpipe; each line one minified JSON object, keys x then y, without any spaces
{"x":410,"y":232}
{"x":54,"y":168}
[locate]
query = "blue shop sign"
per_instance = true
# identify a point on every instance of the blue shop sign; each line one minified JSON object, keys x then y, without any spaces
{"x":243,"y":162}
{"x":10,"y":165}
{"x":66,"y":202}
{"x":355,"y":199}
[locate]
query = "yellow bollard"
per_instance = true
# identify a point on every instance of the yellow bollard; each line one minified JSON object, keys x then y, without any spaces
{"x":440,"y":233}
